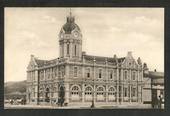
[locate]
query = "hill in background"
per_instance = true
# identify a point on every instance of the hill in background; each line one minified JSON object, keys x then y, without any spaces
{"x":15,"y":89}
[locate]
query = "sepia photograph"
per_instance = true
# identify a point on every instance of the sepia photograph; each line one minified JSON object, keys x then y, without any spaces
{"x":84,"y":58}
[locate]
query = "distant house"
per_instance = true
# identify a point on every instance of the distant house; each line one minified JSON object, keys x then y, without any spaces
{"x":155,"y":89}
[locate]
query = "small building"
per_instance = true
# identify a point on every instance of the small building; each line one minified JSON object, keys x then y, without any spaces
{"x":153,"y":87}
{"x":157,"y":86}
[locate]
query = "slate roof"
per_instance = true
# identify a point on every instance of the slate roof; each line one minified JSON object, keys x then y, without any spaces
{"x":101,"y":58}
{"x":45,"y":62}
{"x":156,"y":74}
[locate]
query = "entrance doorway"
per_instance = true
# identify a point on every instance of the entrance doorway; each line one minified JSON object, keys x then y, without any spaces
{"x":61,"y":96}
{"x":47,"y":95}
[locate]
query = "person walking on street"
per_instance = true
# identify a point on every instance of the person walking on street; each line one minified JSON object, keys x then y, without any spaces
{"x":159,"y":102}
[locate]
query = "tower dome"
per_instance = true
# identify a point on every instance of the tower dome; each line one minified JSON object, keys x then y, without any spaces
{"x":70,"y":39}
{"x":70,"y":25}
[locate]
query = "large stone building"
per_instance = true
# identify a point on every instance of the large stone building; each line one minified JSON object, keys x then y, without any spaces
{"x":80,"y":78}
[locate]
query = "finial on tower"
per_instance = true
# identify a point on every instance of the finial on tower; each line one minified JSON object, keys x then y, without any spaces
{"x":70,"y":12}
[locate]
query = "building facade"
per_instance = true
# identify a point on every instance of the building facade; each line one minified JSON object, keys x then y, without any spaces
{"x":80,"y":78}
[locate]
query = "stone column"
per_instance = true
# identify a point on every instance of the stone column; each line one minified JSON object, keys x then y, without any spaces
{"x":94,"y":77}
{"x":142,"y":85}
{"x":130,"y":78}
{"x":122,"y":85}
{"x":36,"y":82}
{"x":71,"y":48}
{"x":66,"y":71}
{"x":138,"y":87}
{"x":130,"y":93}
{"x":107,"y":93}
{"x":60,"y":49}
{"x":117,"y":87}
{"x":65,"y":48}
{"x":80,"y":49}
{"x":44,"y":75}
{"x":94,"y":90}
{"x":83,"y":92}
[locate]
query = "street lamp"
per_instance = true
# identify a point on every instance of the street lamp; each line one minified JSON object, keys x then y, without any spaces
{"x":92,"y":105}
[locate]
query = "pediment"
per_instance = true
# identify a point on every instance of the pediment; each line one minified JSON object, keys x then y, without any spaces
{"x":129,"y":63}
{"x":32,"y":64}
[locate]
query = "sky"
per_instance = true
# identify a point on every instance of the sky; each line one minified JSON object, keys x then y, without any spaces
{"x":106,"y":31}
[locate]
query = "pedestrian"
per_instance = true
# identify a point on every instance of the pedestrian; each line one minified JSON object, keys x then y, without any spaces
{"x":160,"y":102}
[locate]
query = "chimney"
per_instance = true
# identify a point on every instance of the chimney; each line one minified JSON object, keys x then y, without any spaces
{"x":129,"y":53}
{"x":83,"y":53}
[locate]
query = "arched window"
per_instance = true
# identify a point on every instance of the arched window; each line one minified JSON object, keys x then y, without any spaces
{"x":68,"y":49}
{"x":111,"y":91}
{"x":100,"y":91}
{"x":88,"y":72}
{"x":100,"y":94}
{"x":41,"y":95}
{"x":75,"y":71}
{"x":133,"y":75}
{"x":125,"y":75}
{"x":75,"y":93}
{"x":41,"y":75}
{"x":75,"y":90}
{"x":110,"y":74}
{"x":48,"y":73}
{"x":75,"y":50}
{"x":133,"y":92}
{"x":125,"y":92}
{"x":88,"y":93}
{"x":112,"y":94}
{"x":100,"y":73}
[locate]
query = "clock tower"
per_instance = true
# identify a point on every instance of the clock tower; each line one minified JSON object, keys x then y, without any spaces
{"x":70,"y":39}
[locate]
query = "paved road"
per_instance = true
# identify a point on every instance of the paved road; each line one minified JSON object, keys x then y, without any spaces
{"x":8,"y":106}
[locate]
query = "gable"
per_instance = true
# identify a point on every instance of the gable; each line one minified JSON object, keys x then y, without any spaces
{"x":129,"y":61}
{"x":32,"y":64}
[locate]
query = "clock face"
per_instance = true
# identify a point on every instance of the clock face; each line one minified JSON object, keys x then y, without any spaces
{"x":76,"y":34}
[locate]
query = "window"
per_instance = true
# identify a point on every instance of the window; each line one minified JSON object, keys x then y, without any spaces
{"x":111,"y":91}
{"x":59,"y":72}
{"x":133,"y":75}
{"x":62,"y":70}
{"x":100,"y":73}
{"x":62,"y":47}
{"x":48,"y":73}
{"x":54,"y":72}
{"x":68,"y":49}
{"x":88,"y":91}
{"x":75,"y":71}
{"x":125,"y":75}
{"x":75,"y":47}
{"x":125,"y":92}
{"x":52,"y":94}
{"x":133,"y":92}
{"x":115,"y":73}
{"x":88,"y":72}
{"x":111,"y":74}
{"x":100,"y":91}
{"x":75,"y":90}
{"x":33,"y":92}
{"x":42,"y":75}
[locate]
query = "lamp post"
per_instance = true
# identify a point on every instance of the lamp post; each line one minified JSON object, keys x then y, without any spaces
{"x":92,"y":106}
